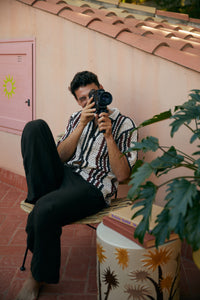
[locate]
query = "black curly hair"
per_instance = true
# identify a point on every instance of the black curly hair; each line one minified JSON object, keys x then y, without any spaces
{"x":82,"y":79}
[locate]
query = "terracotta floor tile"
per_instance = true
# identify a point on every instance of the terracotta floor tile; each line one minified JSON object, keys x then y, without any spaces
{"x":77,"y":267}
{"x":6,"y":275}
{"x":4,"y":188}
{"x":11,"y":196}
{"x":78,"y":260}
{"x":14,"y":289}
{"x":19,"y":237}
{"x":92,"y":281}
{"x":65,"y":287}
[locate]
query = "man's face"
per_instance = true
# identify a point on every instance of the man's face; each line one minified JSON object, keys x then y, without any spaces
{"x":82,"y":93}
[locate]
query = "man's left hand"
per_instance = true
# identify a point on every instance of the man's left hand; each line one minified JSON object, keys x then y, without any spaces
{"x":105,"y":124}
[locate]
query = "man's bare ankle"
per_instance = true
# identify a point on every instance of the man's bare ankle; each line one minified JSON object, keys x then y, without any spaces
{"x":30,"y":289}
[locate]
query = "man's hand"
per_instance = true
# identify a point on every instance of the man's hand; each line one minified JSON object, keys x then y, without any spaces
{"x":104,"y":123}
{"x":88,"y":112}
{"x":118,"y":162}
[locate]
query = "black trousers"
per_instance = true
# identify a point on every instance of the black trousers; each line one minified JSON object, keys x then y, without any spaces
{"x":60,"y":195}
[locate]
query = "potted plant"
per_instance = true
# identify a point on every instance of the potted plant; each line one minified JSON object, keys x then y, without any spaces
{"x":181,"y":212}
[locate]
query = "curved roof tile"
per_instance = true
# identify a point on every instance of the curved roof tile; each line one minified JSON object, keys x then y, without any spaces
{"x":135,"y":25}
{"x":108,"y":29}
{"x":173,"y":15}
{"x":139,"y":42}
{"x":183,"y":58}
{"x":78,"y":18}
{"x":49,"y":7}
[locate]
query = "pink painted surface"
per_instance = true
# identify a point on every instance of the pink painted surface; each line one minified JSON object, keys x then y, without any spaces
{"x":16,"y":85}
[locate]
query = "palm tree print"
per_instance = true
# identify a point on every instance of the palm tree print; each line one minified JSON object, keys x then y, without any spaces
{"x":166,"y":282}
{"x":111,"y":280}
{"x":155,"y":260}
{"x":101,"y":259}
{"x":122,"y":257}
{"x":139,"y":275}
{"x":137,"y":293}
{"x":100,"y":255}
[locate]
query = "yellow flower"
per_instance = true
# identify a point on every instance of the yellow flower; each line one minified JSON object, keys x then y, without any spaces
{"x":166,"y":282}
{"x":157,"y":258}
{"x":100,"y":254}
{"x":122,"y":257}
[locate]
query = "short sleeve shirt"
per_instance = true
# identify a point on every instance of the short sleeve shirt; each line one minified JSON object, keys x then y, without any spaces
{"x":91,"y":159}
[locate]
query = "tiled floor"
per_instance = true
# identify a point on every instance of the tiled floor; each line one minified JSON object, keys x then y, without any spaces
{"x":78,"y":271}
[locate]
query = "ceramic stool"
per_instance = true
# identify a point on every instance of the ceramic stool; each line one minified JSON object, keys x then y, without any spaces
{"x":125,"y":270}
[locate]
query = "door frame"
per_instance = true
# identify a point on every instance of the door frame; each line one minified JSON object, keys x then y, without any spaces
{"x":18,"y":41}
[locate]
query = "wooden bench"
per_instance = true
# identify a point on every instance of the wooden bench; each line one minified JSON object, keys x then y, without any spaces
{"x":93,"y":219}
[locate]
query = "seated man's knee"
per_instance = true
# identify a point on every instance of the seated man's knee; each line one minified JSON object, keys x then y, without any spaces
{"x":34,"y":128}
{"x":43,"y":215}
{"x":34,"y":125}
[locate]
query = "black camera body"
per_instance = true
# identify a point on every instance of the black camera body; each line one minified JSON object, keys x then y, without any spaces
{"x":101,"y":99}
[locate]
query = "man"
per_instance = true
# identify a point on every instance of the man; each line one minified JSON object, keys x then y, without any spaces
{"x":74,"y":180}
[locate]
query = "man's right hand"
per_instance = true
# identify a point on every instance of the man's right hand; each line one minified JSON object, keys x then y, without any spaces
{"x":88,"y":112}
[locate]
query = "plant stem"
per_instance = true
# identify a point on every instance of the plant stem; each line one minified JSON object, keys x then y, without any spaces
{"x":179,"y":177}
{"x":179,"y":151}
{"x":189,"y":127}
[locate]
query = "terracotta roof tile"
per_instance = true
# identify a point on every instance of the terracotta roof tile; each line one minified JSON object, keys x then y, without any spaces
{"x":49,"y":7}
{"x":193,"y":20}
{"x":173,"y":15}
{"x":136,"y":7}
{"x":83,"y":10}
{"x":108,"y":29}
{"x":29,"y":2}
{"x":139,"y":42}
{"x":77,"y":3}
{"x":133,"y":22}
{"x":183,"y":58}
{"x":190,"y":49}
{"x":115,"y":2}
{"x":138,"y":27}
{"x":78,"y":18}
{"x":105,"y":12}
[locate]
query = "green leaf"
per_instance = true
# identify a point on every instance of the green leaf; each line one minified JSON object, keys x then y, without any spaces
{"x":197,"y":152}
{"x":195,"y":96}
{"x":192,"y":224}
{"x":180,"y":196}
{"x":147,"y":144}
{"x":197,"y":172}
{"x":157,"y":118}
{"x":148,"y":193}
{"x":195,"y":136}
{"x":162,"y":231}
{"x":138,"y":177}
{"x":168,"y":160}
{"x":137,"y":165}
{"x":187,"y":112}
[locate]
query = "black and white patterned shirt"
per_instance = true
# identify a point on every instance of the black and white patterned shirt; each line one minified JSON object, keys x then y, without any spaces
{"x":91,"y":156}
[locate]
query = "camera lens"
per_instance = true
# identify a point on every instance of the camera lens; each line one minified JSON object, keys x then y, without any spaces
{"x":106,"y":98}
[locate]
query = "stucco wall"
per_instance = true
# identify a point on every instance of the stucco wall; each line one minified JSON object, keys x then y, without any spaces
{"x":142,"y":84}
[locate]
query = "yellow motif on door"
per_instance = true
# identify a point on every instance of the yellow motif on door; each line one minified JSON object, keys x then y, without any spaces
{"x":9,"y":86}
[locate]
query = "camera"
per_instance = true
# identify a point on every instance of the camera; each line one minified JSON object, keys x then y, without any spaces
{"x":101,"y":99}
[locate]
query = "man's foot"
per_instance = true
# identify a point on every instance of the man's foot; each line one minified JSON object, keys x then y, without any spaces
{"x":30,"y":289}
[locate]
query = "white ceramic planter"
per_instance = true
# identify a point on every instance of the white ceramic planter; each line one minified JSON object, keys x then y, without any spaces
{"x":125,"y":270}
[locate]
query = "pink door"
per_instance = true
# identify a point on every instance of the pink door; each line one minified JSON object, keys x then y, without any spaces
{"x":16,"y":84}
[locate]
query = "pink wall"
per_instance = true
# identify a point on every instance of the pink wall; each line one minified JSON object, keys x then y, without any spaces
{"x":142,"y":84}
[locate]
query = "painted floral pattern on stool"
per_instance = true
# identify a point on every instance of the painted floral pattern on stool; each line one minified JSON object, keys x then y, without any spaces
{"x":141,"y":283}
